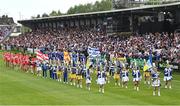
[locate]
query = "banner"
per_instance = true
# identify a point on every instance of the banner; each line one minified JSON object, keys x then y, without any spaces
{"x":93,"y":52}
{"x":139,"y":62}
{"x":174,"y":66}
{"x":30,"y":50}
{"x":41,"y":56}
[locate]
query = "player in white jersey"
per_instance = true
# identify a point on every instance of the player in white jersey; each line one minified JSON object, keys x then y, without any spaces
{"x":168,"y":76}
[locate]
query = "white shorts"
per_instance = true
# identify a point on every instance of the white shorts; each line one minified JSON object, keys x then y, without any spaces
{"x":155,"y":83}
{"x":101,"y":81}
{"x":136,"y":79}
{"x":167,"y":78}
{"x":88,"y":81}
{"x":124,"y":79}
{"x":39,"y":69}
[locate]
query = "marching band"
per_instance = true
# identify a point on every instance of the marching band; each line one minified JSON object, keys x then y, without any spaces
{"x":76,"y":71}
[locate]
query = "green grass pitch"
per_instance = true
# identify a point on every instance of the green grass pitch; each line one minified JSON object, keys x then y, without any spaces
{"x":19,"y":88}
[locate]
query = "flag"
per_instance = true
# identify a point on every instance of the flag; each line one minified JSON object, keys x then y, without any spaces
{"x":93,"y":52}
{"x":147,"y":65}
{"x":45,"y":56}
{"x":150,"y":56}
{"x":66,"y":57}
{"x":40,"y":56}
{"x":88,"y":63}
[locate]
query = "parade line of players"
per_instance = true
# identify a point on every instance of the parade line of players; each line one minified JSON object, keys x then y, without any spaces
{"x":76,"y":70}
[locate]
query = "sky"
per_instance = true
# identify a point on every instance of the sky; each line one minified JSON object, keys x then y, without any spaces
{"x":24,"y":9}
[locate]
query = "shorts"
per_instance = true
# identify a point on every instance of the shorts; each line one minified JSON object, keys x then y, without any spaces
{"x":125,"y":79}
{"x":88,"y":81}
{"x":167,"y":78}
{"x":147,"y":74}
{"x":101,"y":81}
{"x":73,"y":76}
{"x":116,"y":77}
{"x":79,"y":77}
{"x":136,"y":79}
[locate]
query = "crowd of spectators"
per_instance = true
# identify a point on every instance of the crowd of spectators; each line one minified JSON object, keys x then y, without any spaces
{"x":163,"y":45}
{"x":4,"y":31}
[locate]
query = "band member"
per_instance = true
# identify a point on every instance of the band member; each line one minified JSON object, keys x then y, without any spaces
{"x":53,"y":54}
{"x":112,"y":68}
{"x":26,"y":63}
{"x":88,"y":78}
{"x":101,"y":81}
{"x":44,"y":69}
{"x":55,"y":72}
{"x":125,"y":77}
{"x":106,"y":68}
{"x":155,"y":81}
{"x":33,"y":64}
{"x":136,"y":78}
{"x":117,"y":76}
{"x":51,"y":71}
{"x":38,"y":67}
{"x":168,"y":76}
{"x":65,"y":73}
{"x":147,"y":76}
{"x":59,"y":73}
{"x":79,"y":72}
{"x":73,"y":76}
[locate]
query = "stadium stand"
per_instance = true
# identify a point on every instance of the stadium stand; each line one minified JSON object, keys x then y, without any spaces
{"x":7,"y":25}
{"x":163,"y":45}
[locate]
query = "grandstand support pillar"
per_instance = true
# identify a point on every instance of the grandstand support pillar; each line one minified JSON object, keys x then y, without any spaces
{"x":69,"y":23}
{"x":56,"y":25}
{"x":52,"y":27}
{"x":79,"y":22}
{"x":90,"y":22}
{"x":84,"y":22}
{"x":96,"y":21}
{"x":131,"y":23}
{"x":74,"y":23}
